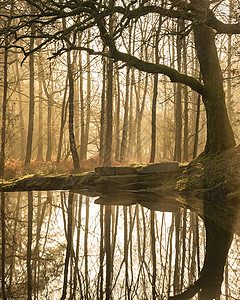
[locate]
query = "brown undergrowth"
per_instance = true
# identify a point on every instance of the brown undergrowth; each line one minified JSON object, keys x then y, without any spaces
{"x":16,"y":168}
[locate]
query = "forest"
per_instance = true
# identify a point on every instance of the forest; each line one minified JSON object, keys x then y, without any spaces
{"x":116,"y":86}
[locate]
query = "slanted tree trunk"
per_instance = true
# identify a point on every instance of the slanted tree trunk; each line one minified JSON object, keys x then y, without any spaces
{"x":63,"y":121}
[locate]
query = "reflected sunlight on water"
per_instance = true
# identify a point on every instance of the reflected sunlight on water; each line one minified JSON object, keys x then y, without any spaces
{"x":128,"y":252}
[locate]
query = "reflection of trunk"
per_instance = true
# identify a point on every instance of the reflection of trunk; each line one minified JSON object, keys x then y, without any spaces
{"x":183,"y":238}
{"x":127,"y":295}
{"x":153,"y":252}
{"x":31,"y":101}
{"x":218,"y":242}
{"x":100,"y":276}
{"x":69,"y":244}
{"x":86,"y":249}
{"x":29,"y":244}
{"x":3,"y":246}
{"x":107,"y":234}
{"x":14,"y":246}
{"x":177,"y":252}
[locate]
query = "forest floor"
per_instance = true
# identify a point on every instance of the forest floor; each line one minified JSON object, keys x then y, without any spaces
{"x":16,"y":168}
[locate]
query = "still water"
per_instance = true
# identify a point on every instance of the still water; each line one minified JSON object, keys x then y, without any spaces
{"x":64,"y":245}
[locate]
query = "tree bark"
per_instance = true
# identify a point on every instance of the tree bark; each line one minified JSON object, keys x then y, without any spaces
{"x":4,"y":111}
{"x":219,"y":131}
{"x":40,"y":110}
{"x":31,"y":101}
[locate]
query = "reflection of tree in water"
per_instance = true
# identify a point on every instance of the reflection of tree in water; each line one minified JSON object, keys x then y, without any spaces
{"x":84,"y":251}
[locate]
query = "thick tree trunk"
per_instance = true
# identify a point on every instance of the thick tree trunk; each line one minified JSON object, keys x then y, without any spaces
{"x":219,"y":131}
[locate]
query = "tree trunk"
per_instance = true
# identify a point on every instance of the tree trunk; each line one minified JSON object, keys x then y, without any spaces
{"x":154,"y":100}
{"x":31,"y":101}
{"x":63,"y":121}
{"x":40,"y":112}
{"x":73,"y":148}
{"x":185,"y":97}
{"x":219,"y":131}
{"x":195,"y":146}
{"x":178,"y":103}
{"x":102,"y":118}
{"x":82,"y":131}
{"x":4,"y":111}
{"x":22,"y":127}
{"x":125,"y":121}
{"x":86,"y":133}
{"x":108,"y":139}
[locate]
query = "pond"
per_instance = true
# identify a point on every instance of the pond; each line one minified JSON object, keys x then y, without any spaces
{"x":64,"y":245}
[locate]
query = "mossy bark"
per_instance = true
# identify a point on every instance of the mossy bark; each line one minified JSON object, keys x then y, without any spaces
{"x":220,"y":135}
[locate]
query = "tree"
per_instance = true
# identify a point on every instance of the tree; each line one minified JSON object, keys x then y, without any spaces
{"x":31,"y":100}
{"x":200,"y":19}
